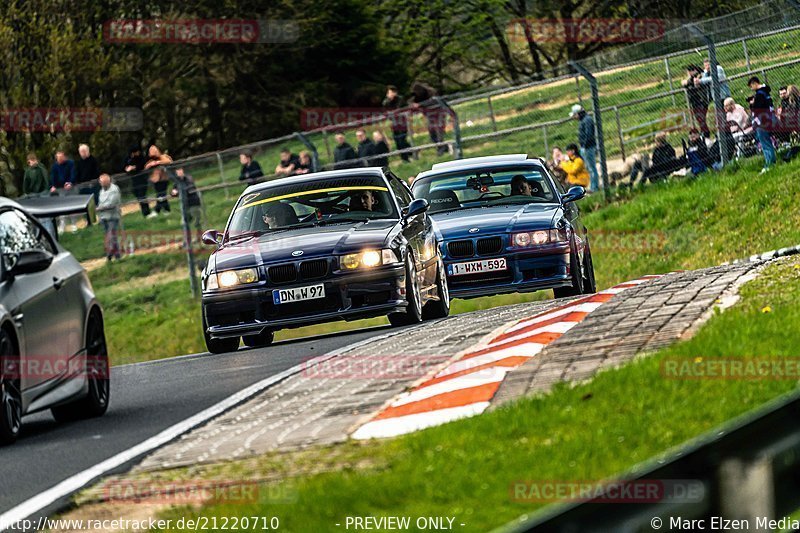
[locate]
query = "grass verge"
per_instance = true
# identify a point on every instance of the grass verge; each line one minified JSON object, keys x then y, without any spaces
{"x":587,"y":432}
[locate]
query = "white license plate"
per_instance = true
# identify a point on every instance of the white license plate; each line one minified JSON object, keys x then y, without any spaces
{"x":477,"y":267}
{"x":298,"y":294}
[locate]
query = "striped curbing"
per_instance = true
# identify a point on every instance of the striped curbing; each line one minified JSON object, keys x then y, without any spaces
{"x":466,"y":386}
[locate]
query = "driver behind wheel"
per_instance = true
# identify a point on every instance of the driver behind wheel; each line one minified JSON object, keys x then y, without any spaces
{"x":276,"y":215}
{"x":520,"y":186}
{"x":363,"y":201}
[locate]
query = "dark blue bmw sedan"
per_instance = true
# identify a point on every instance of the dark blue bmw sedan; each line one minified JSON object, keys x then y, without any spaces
{"x":505,"y":225}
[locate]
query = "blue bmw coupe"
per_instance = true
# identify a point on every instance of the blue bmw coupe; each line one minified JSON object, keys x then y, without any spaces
{"x":506,"y":225}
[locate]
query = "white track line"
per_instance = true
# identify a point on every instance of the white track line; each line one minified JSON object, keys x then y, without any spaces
{"x":74,"y":483}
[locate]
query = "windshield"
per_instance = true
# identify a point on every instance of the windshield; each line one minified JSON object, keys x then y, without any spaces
{"x":346,"y":199}
{"x":467,"y":189}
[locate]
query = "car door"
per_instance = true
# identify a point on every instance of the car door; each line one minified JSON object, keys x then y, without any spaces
{"x":418,"y":233}
{"x":44,"y":337}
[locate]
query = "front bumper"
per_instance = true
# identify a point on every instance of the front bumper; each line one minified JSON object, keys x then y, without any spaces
{"x":528,"y":271}
{"x":348,"y":296}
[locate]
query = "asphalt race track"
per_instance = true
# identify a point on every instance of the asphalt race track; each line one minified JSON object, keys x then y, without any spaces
{"x":145,"y":399}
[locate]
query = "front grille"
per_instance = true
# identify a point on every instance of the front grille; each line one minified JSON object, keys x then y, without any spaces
{"x":315,"y":269}
{"x":490,"y":246}
{"x":458,"y":249}
{"x":282,"y":273}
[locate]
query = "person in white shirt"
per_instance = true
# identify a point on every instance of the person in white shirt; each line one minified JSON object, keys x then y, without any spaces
{"x":109,"y":213}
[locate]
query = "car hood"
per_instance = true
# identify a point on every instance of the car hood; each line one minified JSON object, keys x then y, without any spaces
{"x":313,"y":242}
{"x":496,"y":219}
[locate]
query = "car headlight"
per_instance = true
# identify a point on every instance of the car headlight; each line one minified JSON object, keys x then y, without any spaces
{"x":368,"y":259}
{"x":231,"y":278}
{"x":537,"y":238}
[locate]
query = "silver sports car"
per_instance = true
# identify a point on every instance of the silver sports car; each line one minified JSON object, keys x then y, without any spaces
{"x":52,"y":343}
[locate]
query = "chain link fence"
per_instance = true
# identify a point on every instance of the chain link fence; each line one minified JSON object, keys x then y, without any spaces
{"x":640,"y":93}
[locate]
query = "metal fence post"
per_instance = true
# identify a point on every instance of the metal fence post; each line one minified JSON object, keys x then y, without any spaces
{"x":327,"y":144}
{"x":187,"y":232}
{"x":311,"y":146}
{"x":719,"y":112}
{"x":458,"y":152}
{"x":546,"y":147}
{"x":578,"y":88}
{"x":619,"y":133}
{"x":598,"y":123}
{"x":491,"y":112}
{"x":746,"y":54}
{"x":222,"y":174}
{"x":669,"y":79}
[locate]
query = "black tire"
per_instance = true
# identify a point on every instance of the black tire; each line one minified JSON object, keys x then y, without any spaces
{"x":95,"y":403}
{"x":438,"y":308}
{"x":576,"y":288}
{"x":413,"y":312}
{"x":264,"y":338}
{"x":225,"y":345}
{"x":589,"y":284}
{"x":10,"y":395}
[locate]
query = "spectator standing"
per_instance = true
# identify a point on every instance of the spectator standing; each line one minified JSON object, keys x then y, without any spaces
{"x":306,"y":165}
{"x":381,"y":148}
{"x":789,"y":110}
{"x":192,"y":203}
{"x":697,"y":94}
{"x":134,"y":167}
{"x":287,"y":164}
{"x":555,"y":165}
{"x":707,"y":82}
{"x":160,"y":181}
{"x":763,"y":117}
{"x":155,"y":157}
{"x":575,"y":167}
{"x":365,"y":148}
{"x":109,"y":213}
{"x":251,"y":170}
{"x":394,"y":103}
{"x":35,"y":181}
{"x":343,"y":154}
{"x":587,"y":142}
{"x":87,"y":171}
{"x":422,"y":99}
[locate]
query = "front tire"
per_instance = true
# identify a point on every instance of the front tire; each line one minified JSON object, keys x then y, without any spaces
{"x":438,"y":308}
{"x":10,"y":395}
{"x":224,"y":345}
{"x":264,"y":338}
{"x":413,"y":312}
{"x":95,"y":403}
{"x":576,"y":287}
{"x":589,"y":283}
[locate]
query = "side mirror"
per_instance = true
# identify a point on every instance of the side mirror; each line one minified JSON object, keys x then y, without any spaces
{"x":417,"y":207}
{"x":27,"y":262}
{"x":211,"y":237}
{"x":574,"y":193}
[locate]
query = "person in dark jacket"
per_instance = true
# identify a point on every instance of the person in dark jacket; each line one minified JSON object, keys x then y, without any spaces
{"x":35,"y":180}
{"x":587,"y":143}
{"x":422,"y":98}
{"x":394,"y":104}
{"x":287,"y":164}
{"x":365,"y":148}
{"x":698,"y":97}
{"x":251,"y":170}
{"x":381,"y":147}
{"x":697,"y":155}
{"x":193,"y":205}
{"x":343,"y":155}
{"x":762,"y":112}
{"x":306,"y":165}
{"x":87,"y":171}
{"x":62,"y":173}
{"x":663,"y":162}
{"x":134,"y":167}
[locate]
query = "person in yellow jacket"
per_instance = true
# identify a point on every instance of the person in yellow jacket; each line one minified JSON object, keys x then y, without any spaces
{"x":575,"y":168}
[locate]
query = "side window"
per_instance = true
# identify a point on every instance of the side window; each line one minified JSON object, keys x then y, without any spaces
{"x":401,"y":192}
{"x":18,"y":233}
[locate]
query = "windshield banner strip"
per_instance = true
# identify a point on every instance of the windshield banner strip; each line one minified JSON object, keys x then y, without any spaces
{"x":315,"y":191}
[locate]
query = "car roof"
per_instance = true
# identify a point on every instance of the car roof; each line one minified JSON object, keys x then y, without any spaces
{"x":7,"y":202}
{"x":316,"y":176}
{"x":480,"y":163}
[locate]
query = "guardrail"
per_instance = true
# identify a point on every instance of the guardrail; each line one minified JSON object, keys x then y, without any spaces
{"x":747,"y":469}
